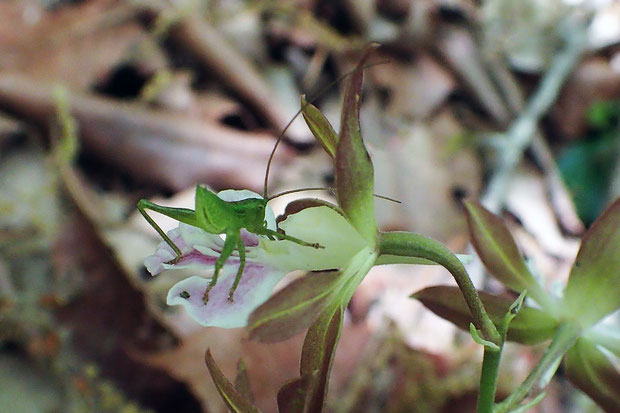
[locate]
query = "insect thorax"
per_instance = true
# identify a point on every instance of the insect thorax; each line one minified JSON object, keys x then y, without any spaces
{"x":250,"y":212}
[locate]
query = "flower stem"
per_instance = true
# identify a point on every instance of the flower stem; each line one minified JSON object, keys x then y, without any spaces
{"x":407,"y":244}
{"x":488,"y":379}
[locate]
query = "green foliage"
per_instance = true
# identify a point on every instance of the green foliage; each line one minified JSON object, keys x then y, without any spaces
{"x":592,"y":372}
{"x":593,"y":289}
{"x":294,"y":308}
{"x":587,"y":164}
{"x":235,"y":400}
{"x":318,"y":354}
{"x":592,"y":292}
{"x":530,"y":325}
{"x":499,"y":253}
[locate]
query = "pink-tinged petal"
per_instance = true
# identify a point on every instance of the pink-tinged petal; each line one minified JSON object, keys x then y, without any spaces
{"x":257,"y":283}
{"x":249,"y":239}
{"x":188,"y":239}
{"x":155,"y":263}
{"x":194,"y":259}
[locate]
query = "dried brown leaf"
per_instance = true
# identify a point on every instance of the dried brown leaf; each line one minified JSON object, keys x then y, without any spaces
{"x":154,"y":145}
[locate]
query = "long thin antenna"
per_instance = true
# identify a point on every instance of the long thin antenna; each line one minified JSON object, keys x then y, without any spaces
{"x":329,"y":189}
{"x":310,"y":101}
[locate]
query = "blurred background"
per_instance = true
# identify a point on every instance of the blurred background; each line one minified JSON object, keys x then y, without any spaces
{"x":104,"y":102}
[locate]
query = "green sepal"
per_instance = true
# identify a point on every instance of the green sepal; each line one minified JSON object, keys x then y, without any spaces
{"x":499,"y":253}
{"x":353,"y":168}
{"x":593,"y":289}
{"x":591,"y":371}
{"x":529,"y":325}
{"x":233,"y":398}
{"x":320,"y":127}
{"x":294,"y":308}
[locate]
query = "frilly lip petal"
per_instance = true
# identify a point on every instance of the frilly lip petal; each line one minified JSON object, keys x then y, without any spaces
{"x":255,"y":287}
{"x":155,"y":263}
{"x":198,"y":247}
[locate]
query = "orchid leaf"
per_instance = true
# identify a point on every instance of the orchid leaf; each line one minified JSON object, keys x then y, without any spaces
{"x":320,"y":127}
{"x":234,"y":399}
{"x":591,"y":370}
{"x":353,"y":168}
{"x":529,"y":325}
{"x":593,"y":289}
{"x":294,"y":308}
{"x":318,"y":353}
{"x":242,"y":381}
{"x":499,"y":253}
{"x":293,"y":395}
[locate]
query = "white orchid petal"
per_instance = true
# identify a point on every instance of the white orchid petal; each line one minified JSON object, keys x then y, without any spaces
{"x":195,"y":236}
{"x":340,"y":241}
{"x":256,"y":286}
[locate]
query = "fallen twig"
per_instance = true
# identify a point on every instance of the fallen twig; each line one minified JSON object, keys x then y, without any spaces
{"x":523,"y":129}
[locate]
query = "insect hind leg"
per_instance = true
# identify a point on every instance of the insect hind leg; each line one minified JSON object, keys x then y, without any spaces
{"x":143,"y":205}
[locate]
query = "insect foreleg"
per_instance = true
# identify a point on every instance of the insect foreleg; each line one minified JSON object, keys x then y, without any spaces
{"x":275,"y":234}
{"x":241,"y":249}
{"x":231,"y":242}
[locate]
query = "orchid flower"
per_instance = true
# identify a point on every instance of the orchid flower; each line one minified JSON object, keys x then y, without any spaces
{"x":352,"y":245}
{"x":267,"y":261}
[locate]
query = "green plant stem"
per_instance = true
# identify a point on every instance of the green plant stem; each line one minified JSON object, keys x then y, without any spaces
{"x":488,"y":379}
{"x":564,"y":338}
{"x":407,"y":244}
{"x":490,"y":362}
